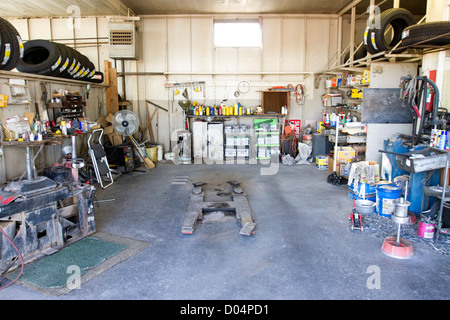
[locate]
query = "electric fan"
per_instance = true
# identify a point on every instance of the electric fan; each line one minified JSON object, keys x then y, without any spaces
{"x":126,"y":123}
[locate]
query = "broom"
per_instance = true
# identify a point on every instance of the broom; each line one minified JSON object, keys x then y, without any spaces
{"x":334,"y":178}
{"x":147,"y":162}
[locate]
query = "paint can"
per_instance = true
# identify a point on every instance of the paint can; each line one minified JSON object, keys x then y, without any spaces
{"x":385,"y":199}
{"x":426,"y":230}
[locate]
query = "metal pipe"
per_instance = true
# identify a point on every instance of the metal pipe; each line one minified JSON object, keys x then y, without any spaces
{"x":74,"y":148}
{"x":28,"y":164}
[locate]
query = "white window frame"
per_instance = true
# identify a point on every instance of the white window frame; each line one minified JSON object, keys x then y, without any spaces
{"x":236,"y":31}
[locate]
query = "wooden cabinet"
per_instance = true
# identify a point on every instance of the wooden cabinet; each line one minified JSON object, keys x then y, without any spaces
{"x":274,"y":101}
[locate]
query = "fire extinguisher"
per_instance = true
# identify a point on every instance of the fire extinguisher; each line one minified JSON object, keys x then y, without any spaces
{"x":430,"y":99}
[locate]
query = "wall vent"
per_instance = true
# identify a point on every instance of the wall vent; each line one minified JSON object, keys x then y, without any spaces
{"x":123,"y":42}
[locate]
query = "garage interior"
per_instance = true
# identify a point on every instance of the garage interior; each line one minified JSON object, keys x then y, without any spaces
{"x":224,"y":150}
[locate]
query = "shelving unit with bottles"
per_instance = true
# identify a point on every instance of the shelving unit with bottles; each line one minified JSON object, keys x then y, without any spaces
{"x":267,"y":138}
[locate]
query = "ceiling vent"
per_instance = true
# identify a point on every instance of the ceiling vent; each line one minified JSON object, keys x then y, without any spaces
{"x":123,"y":40}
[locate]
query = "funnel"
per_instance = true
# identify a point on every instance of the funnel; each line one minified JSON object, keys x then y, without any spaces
{"x":184,"y":104}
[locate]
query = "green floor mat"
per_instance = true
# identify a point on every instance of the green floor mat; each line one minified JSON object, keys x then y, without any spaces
{"x":89,"y":256}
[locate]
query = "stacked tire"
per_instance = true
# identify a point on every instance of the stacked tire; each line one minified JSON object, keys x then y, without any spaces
{"x":11,"y":46}
{"x":430,"y":33}
{"x":374,"y":36}
{"x":49,"y":58}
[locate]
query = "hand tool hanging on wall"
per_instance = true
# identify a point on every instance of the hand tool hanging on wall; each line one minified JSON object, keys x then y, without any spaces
{"x":414,"y":94}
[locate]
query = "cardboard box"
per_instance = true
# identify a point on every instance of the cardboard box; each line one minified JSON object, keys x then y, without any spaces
{"x":109,"y":118}
{"x":340,"y":166}
{"x":108,"y":130}
{"x":115,"y":138}
{"x":242,"y":153}
{"x":103,"y":122}
{"x":230,"y":140}
{"x":322,"y":160}
{"x":229,"y":153}
{"x":345,"y":153}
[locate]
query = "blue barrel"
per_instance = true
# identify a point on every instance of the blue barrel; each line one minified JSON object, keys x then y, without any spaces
{"x":386,"y":195}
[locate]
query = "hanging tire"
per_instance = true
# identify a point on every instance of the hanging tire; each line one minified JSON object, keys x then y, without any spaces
{"x":422,"y":33}
{"x":397,"y":18}
{"x":40,"y":57}
{"x":12,"y":46}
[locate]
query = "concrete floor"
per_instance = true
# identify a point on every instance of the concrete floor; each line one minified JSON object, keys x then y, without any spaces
{"x":303,"y":247}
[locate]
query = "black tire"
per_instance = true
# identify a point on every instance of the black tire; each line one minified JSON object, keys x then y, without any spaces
{"x":359,"y":54}
{"x":40,"y":57}
{"x":399,"y":19}
{"x":426,"y":31}
{"x":2,"y":46}
{"x":91,"y":71}
{"x":97,"y":77}
{"x":61,"y":71}
{"x":368,"y":41}
{"x":83,"y":68}
{"x":77,"y":65}
{"x":13,"y":45}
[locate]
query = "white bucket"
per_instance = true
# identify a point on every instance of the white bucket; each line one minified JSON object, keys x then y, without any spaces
{"x":160,"y":152}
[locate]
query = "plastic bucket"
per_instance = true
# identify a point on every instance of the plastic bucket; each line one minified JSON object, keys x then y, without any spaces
{"x":386,"y":195}
{"x":364,"y":191}
{"x":152,"y":153}
{"x":160,"y":152}
{"x":426,"y":230}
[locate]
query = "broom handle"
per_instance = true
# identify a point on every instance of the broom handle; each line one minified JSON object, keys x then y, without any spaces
{"x":336,"y":146}
{"x":141,"y":153}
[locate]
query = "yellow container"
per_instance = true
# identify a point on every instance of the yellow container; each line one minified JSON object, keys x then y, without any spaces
{"x":152,"y":153}
{"x":10,"y":135}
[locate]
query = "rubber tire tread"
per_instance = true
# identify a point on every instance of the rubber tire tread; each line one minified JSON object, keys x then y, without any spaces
{"x":64,"y":56}
{"x":44,"y":67}
{"x":11,"y":37}
{"x":421,"y":32}
{"x":97,"y":80}
{"x":2,"y":45}
{"x":400,"y":19}
{"x":368,"y":42}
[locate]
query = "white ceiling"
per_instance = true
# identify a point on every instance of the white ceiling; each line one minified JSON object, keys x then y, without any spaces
{"x":49,"y":8}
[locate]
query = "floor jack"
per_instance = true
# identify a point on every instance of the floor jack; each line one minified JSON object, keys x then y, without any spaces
{"x":356,"y":218}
